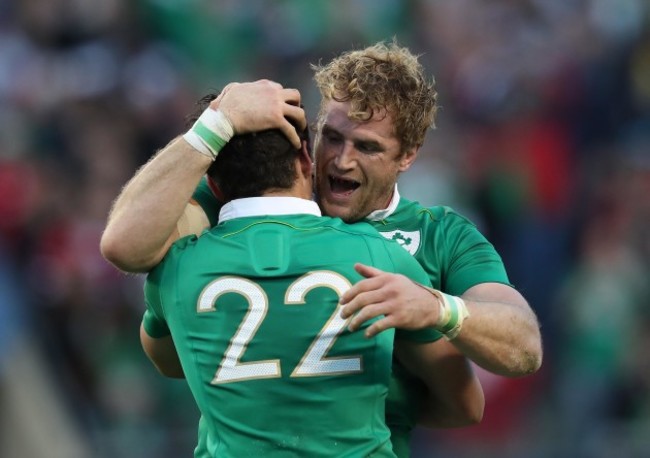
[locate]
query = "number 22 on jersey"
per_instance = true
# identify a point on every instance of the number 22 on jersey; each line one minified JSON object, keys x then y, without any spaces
{"x":314,"y":361}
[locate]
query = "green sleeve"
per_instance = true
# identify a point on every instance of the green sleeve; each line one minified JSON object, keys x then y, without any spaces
{"x":208,"y":202}
{"x":153,"y":319}
{"x":472,"y":259}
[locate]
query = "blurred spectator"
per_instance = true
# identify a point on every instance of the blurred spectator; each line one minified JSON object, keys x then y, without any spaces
{"x":543,"y":139}
{"x":603,"y":314}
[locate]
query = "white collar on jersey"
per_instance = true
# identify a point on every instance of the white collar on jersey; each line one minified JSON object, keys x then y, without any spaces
{"x":261,"y":206}
{"x":378,"y":215}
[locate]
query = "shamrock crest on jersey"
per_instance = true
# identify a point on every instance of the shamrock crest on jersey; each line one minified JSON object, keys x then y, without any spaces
{"x":410,"y":241}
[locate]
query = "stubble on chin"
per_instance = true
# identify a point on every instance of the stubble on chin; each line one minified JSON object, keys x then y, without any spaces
{"x":351,"y":215}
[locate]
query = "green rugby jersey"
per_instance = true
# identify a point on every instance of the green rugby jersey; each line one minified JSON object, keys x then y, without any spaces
{"x":447,"y":245}
{"x":452,"y":251}
{"x":456,"y":256}
{"x":252,"y":306}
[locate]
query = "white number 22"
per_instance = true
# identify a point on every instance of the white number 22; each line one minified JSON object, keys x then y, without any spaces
{"x":313,"y":363}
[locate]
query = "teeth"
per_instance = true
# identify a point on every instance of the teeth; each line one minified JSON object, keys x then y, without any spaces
{"x":342,"y":185}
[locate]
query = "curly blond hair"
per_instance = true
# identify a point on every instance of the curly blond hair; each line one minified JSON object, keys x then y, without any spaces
{"x":381,"y":78}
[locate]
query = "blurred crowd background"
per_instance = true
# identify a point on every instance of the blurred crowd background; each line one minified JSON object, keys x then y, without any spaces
{"x":543,"y":140}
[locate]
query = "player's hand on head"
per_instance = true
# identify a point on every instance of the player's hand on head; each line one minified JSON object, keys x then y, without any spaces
{"x":261,"y":105}
{"x":403,"y":303}
{"x":216,"y":102}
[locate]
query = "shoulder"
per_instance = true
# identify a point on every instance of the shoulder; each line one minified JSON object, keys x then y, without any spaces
{"x":383,"y":247}
{"x":184,"y":243}
{"x":366,"y":234}
{"x":358,"y":229}
{"x":177,"y":250}
{"x":441,"y":214}
{"x":437,"y":218}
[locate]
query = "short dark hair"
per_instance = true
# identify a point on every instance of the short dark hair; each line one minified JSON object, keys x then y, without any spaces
{"x":254,"y":163}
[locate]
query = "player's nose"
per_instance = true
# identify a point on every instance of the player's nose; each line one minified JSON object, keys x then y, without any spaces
{"x":345,"y":157}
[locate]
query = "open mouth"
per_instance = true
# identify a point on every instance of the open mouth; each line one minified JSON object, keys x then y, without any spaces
{"x":342,"y":186}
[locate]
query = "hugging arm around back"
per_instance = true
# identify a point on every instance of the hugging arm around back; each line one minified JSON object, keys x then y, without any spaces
{"x":143,"y":221}
{"x":155,"y":336}
{"x":454,"y":395}
{"x":503,"y":335}
{"x":162,"y":353}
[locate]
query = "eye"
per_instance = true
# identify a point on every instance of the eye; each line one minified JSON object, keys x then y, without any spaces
{"x":368,"y":148}
{"x":332,"y":137}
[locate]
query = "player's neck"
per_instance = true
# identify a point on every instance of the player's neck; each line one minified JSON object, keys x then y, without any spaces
{"x":295,"y":191}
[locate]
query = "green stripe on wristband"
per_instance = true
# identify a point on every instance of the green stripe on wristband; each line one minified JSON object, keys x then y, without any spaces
{"x":212,"y":140}
{"x":454,"y":315}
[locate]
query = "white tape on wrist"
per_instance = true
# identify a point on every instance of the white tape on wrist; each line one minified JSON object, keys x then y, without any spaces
{"x":453,"y":312}
{"x":210,"y":132}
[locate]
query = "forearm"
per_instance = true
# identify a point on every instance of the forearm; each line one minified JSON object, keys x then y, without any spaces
{"x":492,"y":325}
{"x":142,"y":223}
{"x":502,"y":333}
{"x":162,"y":354}
{"x":454,"y":394}
{"x":143,"y":219}
{"x":465,"y":409}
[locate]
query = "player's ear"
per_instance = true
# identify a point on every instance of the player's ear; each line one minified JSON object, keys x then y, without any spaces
{"x":407,"y":159}
{"x":214,"y":187}
{"x":306,"y":163}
